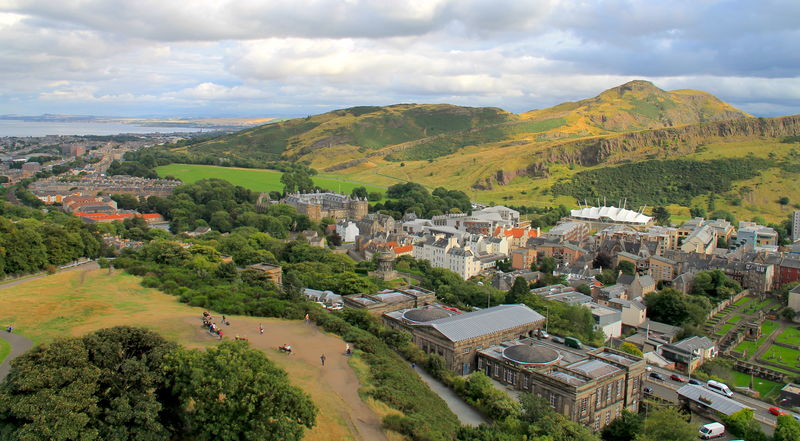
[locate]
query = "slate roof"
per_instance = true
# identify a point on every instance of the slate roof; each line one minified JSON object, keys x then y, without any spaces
{"x":486,"y":321}
{"x":713,"y":400}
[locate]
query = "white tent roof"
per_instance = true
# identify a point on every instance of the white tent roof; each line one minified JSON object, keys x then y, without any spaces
{"x":615,"y":214}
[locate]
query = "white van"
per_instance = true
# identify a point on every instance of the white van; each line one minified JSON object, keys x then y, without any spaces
{"x":720,"y":388}
{"x":712,"y":430}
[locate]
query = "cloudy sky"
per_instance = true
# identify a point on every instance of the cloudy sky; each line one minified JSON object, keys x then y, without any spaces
{"x":298,"y":57}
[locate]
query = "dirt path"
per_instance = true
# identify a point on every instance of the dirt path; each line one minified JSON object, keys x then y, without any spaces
{"x":19,"y":345}
{"x":308,"y":344}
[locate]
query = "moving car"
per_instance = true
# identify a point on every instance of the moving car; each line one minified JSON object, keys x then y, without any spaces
{"x":695,"y":382}
{"x":573,"y":342}
{"x":776,"y":411}
{"x":657,"y":376}
{"x":678,"y":378}
{"x":557,"y":339}
{"x":712,"y":430}
{"x":720,"y":388}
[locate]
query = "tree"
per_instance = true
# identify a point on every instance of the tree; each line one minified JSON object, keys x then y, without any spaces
{"x":518,"y":290}
{"x":104,"y":386}
{"x":630,"y":348}
{"x":232,"y":392}
{"x":547,"y":265}
{"x":742,"y":423}
{"x":788,"y":429}
{"x":667,"y":306}
{"x":624,"y":428}
{"x":661,"y":215}
{"x":666,"y":424}
{"x":626,"y":267}
{"x":697,"y":212}
{"x":359,"y":192}
{"x":783,"y":200}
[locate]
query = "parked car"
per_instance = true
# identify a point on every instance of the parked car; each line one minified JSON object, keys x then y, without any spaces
{"x":657,"y":376}
{"x":720,"y":388}
{"x":543,"y":334}
{"x":796,"y":416}
{"x":678,"y":378}
{"x":712,"y":430}
{"x":573,"y":342}
{"x":335,"y":307}
{"x":695,"y":382}
{"x":648,"y":390}
{"x":776,"y":411}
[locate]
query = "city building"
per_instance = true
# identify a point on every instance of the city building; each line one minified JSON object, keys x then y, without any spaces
{"x":88,"y":204}
{"x":389,"y":300}
{"x":796,"y":226}
{"x":588,"y":387}
{"x":689,"y":353}
{"x":794,"y":299}
{"x":458,"y":337}
{"x":570,"y":231}
{"x":602,"y":217}
{"x":333,"y":205}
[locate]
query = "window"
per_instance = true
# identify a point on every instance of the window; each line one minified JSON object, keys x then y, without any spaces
{"x":553,"y":400}
{"x":466,"y":350}
{"x":596,"y":423}
{"x":599,"y":398}
{"x":619,"y":388}
{"x":525,"y":380}
{"x":480,"y":363}
{"x":635,"y":383}
{"x":608,"y":417}
{"x":497,"y":370}
{"x":584,"y":405}
{"x":608,"y":392}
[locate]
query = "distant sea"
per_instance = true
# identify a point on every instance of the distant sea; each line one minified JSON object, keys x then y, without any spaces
{"x":42,"y":128}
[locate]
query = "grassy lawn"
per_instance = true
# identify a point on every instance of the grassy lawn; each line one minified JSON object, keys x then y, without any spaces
{"x":790,"y":335}
{"x":764,"y":387}
{"x":783,"y":356}
{"x":5,"y":348}
{"x":724,"y":329}
{"x":735,"y":319}
{"x":768,"y":327}
{"x":743,"y":301}
{"x":254,"y":179}
{"x":77,"y":302}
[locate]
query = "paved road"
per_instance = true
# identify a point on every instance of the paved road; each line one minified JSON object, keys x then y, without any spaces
{"x":88,"y":265}
{"x":19,"y":346}
{"x":667,"y":390}
{"x":466,"y":414}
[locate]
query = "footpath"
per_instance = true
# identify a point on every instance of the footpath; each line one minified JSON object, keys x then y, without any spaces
{"x":19,"y":346}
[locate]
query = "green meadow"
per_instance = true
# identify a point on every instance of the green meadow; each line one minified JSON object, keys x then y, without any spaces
{"x":254,"y":179}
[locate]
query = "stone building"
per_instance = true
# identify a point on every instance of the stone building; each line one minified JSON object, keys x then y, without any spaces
{"x":459,"y":337}
{"x":333,"y":205}
{"x":273,"y":272}
{"x":391,"y":299}
{"x":589,"y":387}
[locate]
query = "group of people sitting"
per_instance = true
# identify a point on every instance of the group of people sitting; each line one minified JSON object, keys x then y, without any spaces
{"x":208,"y":322}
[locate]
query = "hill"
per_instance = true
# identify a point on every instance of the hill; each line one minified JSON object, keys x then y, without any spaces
{"x":498,"y":156}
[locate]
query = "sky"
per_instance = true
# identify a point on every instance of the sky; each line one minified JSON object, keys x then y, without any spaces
{"x":275,"y":58}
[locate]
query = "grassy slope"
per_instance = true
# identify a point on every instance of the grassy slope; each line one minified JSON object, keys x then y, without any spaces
{"x":5,"y":348}
{"x":77,"y":302}
{"x":254,"y":179}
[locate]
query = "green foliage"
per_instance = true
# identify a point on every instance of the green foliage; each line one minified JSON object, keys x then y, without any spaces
{"x":661,"y":216}
{"x":518,"y":290}
{"x":658,"y":182}
{"x":743,"y":424}
{"x":715,"y":284}
{"x":630,"y":348}
{"x":626,"y":267}
{"x":412,"y":197}
{"x":666,"y":424}
{"x":624,"y":428}
{"x":107,"y":385}
{"x":232,"y":392}
{"x":546,"y":265}
{"x":788,"y":429}
{"x":667,"y":306}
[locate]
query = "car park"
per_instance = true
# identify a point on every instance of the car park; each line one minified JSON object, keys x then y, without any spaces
{"x":657,"y":376}
{"x":678,"y":378}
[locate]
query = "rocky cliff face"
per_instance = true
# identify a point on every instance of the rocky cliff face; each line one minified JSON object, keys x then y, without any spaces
{"x":672,"y":141}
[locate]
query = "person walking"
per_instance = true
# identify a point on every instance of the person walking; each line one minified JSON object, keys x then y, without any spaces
{"x":347,"y":349}
{"x":260,"y":329}
{"x":307,"y":318}
{"x":322,"y":359}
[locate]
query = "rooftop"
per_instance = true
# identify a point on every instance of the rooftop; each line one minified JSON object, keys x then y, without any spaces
{"x":486,"y":321}
{"x":713,"y":400}
{"x":614,"y":214}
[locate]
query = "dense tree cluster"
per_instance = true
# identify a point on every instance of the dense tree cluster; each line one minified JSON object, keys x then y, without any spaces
{"x":31,"y":241}
{"x":660,"y":182}
{"x":130,"y":383}
{"x":411,"y":197}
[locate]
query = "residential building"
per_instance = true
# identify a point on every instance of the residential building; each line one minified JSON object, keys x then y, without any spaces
{"x":756,"y":236}
{"x":569,"y":231}
{"x":689,"y":353}
{"x":788,"y":270}
{"x":591,"y":388}
{"x":634,"y":312}
{"x":796,"y":226}
{"x":523,"y":259}
{"x":606,"y":319}
{"x":636,"y":285}
{"x":661,"y":268}
{"x":702,"y":240}
{"x":794,"y":299}
{"x":88,"y":204}
{"x":347,"y":230}
{"x":458,"y":337}
{"x":476,"y":255}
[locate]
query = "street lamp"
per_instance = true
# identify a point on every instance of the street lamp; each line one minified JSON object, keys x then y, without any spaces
{"x":546,"y":319}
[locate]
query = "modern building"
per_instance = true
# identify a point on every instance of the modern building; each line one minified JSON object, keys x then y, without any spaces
{"x":458,"y":337}
{"x":602,"y":217}
{"x":570,"y":231}
{"x":589,"y":387}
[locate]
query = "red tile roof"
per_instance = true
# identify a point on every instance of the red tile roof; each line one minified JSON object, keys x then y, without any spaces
{"x":118,"y":216}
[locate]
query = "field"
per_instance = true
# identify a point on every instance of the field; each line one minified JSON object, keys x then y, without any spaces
{"x":783,"y":356}
{"x":254,"y":179}
{"x":789,"y":336}
{"x":5,"y":348}
{"x":77,"y":302}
